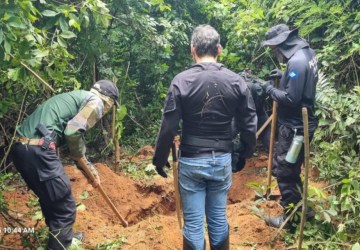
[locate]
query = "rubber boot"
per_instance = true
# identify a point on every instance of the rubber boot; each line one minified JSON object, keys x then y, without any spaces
{"x":224,"y":245}
{"x":80,"y":236}
{"x":60,"y":239}
{"x":188,"y":246}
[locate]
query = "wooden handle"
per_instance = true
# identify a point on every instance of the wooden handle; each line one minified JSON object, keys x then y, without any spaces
{"x":272,"y":141}
{"x":306,"y":174}
{"x":176,"y":185}
{"x":83,"y":165}
{"x":271,"y":147}
{"x":263,"y":126}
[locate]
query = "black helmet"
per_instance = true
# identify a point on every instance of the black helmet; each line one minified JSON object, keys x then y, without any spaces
{"x":108,"y":88}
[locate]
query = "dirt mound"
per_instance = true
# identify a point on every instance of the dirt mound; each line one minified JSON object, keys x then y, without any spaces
{"x":149,"y":208}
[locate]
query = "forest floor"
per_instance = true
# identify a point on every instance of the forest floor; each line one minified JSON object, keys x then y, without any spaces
{"x":149,"y":208}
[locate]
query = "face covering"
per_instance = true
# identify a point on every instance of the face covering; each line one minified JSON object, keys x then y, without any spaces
{"x":279,"y":55}
{"x":291,"y":45}
{"x":108,"y":102}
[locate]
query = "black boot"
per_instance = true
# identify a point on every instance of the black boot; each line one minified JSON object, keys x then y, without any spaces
{"x":188,"y":246}
{"x":224,"y":245}
{"x":79,"y":236}
{"x":60,"y":239}
{"x":275,"y":221}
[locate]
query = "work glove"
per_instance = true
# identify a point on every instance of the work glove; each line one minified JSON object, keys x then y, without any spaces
{"x":237,"y":161}
{"x":275,"y":74}
{"x":92,"y":169}
{"x":266,"y":84}
{"x":160,"y":170}
{"x":238,"y":164}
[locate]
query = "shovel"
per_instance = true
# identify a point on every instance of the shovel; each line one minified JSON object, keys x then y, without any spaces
{"x":90,"y":175}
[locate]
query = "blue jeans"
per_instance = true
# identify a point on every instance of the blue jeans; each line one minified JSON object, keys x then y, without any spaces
{"x":204,"y":184}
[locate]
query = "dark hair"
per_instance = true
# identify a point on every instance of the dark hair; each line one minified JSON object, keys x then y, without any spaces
{"x":205,"y":39}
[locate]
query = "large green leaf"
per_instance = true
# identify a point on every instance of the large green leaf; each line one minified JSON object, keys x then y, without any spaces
{"x":67,"y":34}
{"x":49,"y":13}
{"x":16,"y":22}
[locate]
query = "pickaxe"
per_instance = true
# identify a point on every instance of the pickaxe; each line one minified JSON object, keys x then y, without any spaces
{"x":90,"y":175}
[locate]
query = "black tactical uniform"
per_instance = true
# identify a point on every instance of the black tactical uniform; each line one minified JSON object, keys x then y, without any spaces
{"x":297,"y":90}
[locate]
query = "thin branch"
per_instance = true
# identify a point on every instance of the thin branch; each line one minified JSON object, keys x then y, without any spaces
{"x":14,"y":134}
{"x":136,"y":122}
{"x":38,"y":77}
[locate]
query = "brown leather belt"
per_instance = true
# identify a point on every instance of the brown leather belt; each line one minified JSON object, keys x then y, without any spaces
{"x":35,"y":142}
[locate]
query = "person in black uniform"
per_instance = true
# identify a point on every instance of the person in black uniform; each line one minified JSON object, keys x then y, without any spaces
{"x":296,"y":90}
{"x":206,"y":97}
{"x":258,"y":94}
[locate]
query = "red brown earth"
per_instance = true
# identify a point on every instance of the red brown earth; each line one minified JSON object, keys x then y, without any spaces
{"x":149,"y":208}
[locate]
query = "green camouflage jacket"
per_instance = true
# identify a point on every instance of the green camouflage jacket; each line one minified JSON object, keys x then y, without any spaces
{"x":69,"y":115}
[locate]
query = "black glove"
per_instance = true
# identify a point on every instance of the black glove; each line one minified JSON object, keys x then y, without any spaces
{"x":266,"y":84}
{"x":238,"y":164}
{"x":275,"y":73}
{"x":160,"y":170}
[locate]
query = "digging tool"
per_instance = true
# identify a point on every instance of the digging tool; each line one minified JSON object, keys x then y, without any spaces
{"x":306,"y":174}
{"x":83,"y":165}
{"x":272,"y":140}
{"x":176,"y":184}
{"x":258,"y":133}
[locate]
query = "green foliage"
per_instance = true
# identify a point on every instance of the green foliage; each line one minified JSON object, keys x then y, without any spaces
{"x":139,"y":170}
{"x":243,"y":23}
{"x":333,"y":28}
{"x":112,"y":245}
{"x":336,"y":145}
{"x":338,"y":137}
{"x":4,"y":186}
{"x":144,"y":44}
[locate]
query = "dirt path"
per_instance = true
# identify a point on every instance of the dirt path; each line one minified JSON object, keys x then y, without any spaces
{"x":149,"y":207}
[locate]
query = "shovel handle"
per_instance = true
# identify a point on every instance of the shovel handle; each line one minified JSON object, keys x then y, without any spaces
{"x":258,"y":133}
{"x":306,"y":175}
{"x":176,"y":184}
{"x":272,"y":141}
{"x":83,"y":165}
{"x":174,"y":152}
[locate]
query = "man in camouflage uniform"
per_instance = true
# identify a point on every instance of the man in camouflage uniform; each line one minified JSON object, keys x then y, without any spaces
{"x":63,"y":119}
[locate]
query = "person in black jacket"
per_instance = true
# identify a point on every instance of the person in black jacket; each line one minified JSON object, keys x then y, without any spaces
{"x":258,"y":94}
{"x":206,"y":97}
{"x":296,"y":90}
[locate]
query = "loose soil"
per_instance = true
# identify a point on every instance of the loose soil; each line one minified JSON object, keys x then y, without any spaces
{"x":149,"y":208}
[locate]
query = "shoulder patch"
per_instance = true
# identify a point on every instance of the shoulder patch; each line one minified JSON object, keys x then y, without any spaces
{"x":293,"y":74}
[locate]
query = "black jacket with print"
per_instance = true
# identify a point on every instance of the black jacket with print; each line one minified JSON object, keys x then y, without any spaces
{"x":206,"y":97}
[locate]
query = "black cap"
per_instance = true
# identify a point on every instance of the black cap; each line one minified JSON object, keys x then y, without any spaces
{"x":108,"y":88}
{"x":278,"y":34}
